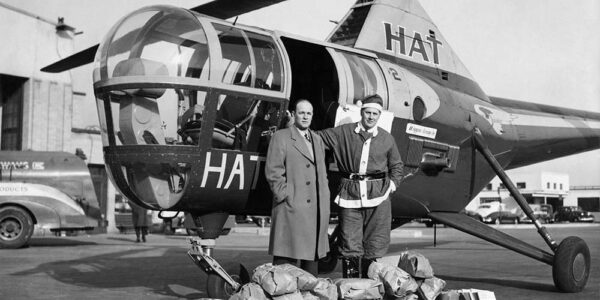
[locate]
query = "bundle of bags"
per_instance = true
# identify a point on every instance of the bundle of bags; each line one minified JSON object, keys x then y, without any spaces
{"x":411,"y":279}
{"x":285,"y":282}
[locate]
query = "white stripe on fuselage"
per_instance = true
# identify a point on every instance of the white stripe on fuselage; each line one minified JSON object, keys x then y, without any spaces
{"x":550,"y":121}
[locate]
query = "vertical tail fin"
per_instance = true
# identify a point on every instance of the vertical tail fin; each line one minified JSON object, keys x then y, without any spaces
{"x":401,"y":31}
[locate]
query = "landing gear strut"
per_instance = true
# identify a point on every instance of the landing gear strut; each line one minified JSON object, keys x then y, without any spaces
{"x":219,"y":284}
{"x":571,"y":261}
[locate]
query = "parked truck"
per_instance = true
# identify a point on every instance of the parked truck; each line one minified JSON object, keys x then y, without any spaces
{"x":44,"y":192}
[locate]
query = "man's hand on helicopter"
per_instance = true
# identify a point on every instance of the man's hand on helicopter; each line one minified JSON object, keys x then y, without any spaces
{"x":288,"y":120}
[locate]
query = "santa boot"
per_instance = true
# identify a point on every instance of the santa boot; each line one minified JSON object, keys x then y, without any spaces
{"x":364,"y":267}
{"x":350,"y":267}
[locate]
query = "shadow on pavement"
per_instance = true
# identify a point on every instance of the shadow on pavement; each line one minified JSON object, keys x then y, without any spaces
{"x":164,"y":271}
{"x":503,"y":282}
{"x":57,"y":242}
{"x":123,"y":239}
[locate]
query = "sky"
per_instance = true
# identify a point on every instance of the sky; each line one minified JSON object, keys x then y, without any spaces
{"x":543,"y":51}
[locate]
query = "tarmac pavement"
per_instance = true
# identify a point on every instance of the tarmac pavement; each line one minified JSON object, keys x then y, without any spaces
{"x":112,"y":266}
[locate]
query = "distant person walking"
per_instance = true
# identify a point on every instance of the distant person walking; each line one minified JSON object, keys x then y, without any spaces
{"x":139,"y":217}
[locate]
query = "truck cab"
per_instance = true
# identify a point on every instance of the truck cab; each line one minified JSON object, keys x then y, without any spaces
{"x":44,"y":192}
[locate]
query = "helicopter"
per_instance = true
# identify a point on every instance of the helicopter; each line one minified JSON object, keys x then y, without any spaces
{"x":188,"y":102}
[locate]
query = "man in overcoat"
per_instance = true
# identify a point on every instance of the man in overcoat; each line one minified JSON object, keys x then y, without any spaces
{"x":295,"y":170}
{"x":139,"y":218}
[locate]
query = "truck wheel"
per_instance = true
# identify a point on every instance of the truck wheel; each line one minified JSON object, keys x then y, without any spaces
{"x":16,"y":227}
{"x":571,"y":267}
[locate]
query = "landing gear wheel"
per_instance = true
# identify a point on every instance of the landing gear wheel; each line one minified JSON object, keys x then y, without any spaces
{"x":571,"y":267}
{"x":328,"y":263}
{"x":218,"y":288}
{"x":16,"y":227}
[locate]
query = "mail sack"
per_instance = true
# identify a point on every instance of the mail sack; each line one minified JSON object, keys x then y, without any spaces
{"x":397,"y":282}
{"x":304,"y":280}
{"x":359,"y":289}
{"x":275,"y":280}
{"x":431,"y":288}
{"x":250,"y":291}
{"x":415,"y":264}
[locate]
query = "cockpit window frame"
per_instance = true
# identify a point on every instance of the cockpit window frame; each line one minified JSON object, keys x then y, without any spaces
{"x":212,"y":85}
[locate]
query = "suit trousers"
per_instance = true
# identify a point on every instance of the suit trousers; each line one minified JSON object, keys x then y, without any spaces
{"x":365,"y":232}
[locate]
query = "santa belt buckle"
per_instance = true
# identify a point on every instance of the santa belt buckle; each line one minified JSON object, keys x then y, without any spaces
{"x":359,"y":177}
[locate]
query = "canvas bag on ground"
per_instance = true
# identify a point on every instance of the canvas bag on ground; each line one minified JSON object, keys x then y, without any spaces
{"x":415,"y":264}
{"x":397,"y":282}
{"x":304,"y":280}
{"x":250,"y":291}
{"x":431,"y":288}
{"x":324,"y":289}
{"x":359,"y":289}
{"x":274,"y":280}
{"x":291,"y":296}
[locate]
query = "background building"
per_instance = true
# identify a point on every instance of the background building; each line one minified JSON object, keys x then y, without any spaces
{"x":41,"y":111}
{"x":542,"y":188}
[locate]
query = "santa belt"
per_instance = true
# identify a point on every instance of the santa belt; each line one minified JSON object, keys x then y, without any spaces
{"x":359,"y":177}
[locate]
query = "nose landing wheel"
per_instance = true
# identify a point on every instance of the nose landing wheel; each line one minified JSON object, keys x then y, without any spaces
{"x":220,"y":283}
{"x":571,"y":267}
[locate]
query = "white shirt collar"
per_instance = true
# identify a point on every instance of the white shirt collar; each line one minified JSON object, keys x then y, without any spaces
{"x":360,"y":127}
{"x":302,"y":132}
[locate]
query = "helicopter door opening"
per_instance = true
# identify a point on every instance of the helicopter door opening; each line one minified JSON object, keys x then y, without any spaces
{"x":314,"y":78}
{"x":362,"y":77}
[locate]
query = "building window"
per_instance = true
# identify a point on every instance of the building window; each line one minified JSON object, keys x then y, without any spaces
{"x":561,"y":186}
{"x":488,"y":199}
{"x":11,"y":100}
{"x":521,"y":185}
{"x":547,"y":185}
{"x":488,"y":187}
{"x":502,"y":186}
{"x":554,"y":185}
{"x":589,"y":203}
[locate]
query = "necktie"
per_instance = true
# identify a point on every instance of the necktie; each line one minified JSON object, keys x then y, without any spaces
{"x":307,"y":136}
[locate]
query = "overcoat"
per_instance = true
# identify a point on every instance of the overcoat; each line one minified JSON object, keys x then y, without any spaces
{"x":300,"y":212}
{"x":139,"y":215}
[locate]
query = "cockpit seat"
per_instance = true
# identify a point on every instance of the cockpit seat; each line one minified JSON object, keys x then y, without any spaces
{"x":141,"y":67}
{"x":139,"y":117}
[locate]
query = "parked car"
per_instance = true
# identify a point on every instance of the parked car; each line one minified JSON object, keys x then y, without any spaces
{"x":502,"y":217}
{"x":542,"y":212}
{"x":471,"y":214}
{"x":497,"y":213}
{"x":572,"y":214}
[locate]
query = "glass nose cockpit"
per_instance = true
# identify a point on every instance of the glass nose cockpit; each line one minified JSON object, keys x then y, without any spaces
{"x":170,"y":84}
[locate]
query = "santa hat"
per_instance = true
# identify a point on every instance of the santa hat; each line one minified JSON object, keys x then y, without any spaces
{"x":373,"y":101}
